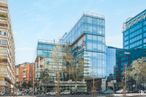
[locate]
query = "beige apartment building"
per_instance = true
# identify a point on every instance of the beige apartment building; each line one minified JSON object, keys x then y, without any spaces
{"x":7,"y":51}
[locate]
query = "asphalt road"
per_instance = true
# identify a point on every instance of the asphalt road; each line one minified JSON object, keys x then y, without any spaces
{"x":87,"y":96}
{"x":78,"y":96}
{"x":71,"y":96}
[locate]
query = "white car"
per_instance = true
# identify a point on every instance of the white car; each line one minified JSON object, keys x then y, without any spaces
{"x":66,"y":92}
{"x":52,"y":93}
{"x":121,"y":91}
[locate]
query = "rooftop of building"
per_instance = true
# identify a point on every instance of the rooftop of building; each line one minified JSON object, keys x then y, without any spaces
{"x":137,"y":16}
{"x":113,"y":47}
{"x":93,"y":14}
{"x":49,"y":42}
{"x":3,"y":1}
{"x":88,"y":14}
{"x":25,"y":63}
{"x":131,"y":21}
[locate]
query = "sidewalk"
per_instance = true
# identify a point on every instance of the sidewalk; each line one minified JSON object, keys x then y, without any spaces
{"x":131,"y":94}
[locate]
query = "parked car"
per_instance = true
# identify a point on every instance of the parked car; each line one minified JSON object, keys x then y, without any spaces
{"x":121,"y":91}
{"x":52,"y":93}
{"x":19,"y":93}
{"x":66,"y":92}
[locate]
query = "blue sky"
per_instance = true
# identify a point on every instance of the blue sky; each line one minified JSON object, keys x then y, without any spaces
{"x":34,"y":20}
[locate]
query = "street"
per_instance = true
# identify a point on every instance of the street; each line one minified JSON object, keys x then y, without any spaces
{"x":79,"y":96}
{"x":91,"y":96}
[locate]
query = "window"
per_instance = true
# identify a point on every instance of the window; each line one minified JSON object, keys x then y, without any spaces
{"x":138,"y":43}
{"x":135,"y":27}
{"x":144,"y":28}
{"x":100,"y":39}
{"x":126,"y":47}
{"x":126,"y":38}
{"x":144,"y":34}
{"x":89,"y":37}
{"x":126,"y":43}
{"x":136,"y":38}
{"x":100,"y":47}
{"x":94,"y":21}
{"x":94,"y":46}
{"x":144,"y":23}
{"x":100,"y":30}
{"x":135,"y":33}
{"x":94,"y":28}
{"x":3,"y":33}
{"x":144,"y":40}
{"x":3,"y":51}
{"x":95,"y":38}
{"x":89,"y":45}
{"x":126,"y":33}
{"x":89,"y":20}
{"x":3,"y":42}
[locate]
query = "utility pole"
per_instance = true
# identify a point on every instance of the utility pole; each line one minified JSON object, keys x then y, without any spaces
{"x":34,"y":78}
{"x":94,"y":89}
{"x":125,"y":75}
{"x":58,"y":84}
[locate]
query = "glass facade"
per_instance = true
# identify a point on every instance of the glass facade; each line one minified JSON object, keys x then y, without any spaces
{"x":110,"y":60}
{"x":49,"y":56}
{"x":122,"y":59}
{"x":126,"y":57}
{"x":45,"y":49}
{"x":87,"y":38}
{"x":134,"y":34}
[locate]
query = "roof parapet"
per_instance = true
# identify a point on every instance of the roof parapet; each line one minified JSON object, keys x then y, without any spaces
{"x":94,"y":14}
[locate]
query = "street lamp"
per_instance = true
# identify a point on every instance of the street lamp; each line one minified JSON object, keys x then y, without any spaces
{"x":125,"y":75}
{"x":93,"y":86}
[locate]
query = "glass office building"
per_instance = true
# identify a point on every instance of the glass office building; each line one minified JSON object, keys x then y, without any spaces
{"x":110,"y":60}
{"x":134,"y":34}
{"x":126,"y":57}
{"x":49,"y":56}
{"x":87,"y":39}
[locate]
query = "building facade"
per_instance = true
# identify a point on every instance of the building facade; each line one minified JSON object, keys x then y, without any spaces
{"x":124,"y":58}
{"x":110,"y":60}
{"x":24,"y":73}
{"x":87,"y":39}
{"x":7,"y":51}
{"x":134,"y":44}
{"x":134,"y":34}
{"x":49,"y":56}
{"x":80,"y":55}
{"x":119,"y":59}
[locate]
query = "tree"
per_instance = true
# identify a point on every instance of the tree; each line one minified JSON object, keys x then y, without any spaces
{"x":57,"y":58}
{"x":30,"y":83}
{"x":24,"y":85}
{"x":74,"y":65}
{"x":44,"y":76}
{"x":137,"y":71}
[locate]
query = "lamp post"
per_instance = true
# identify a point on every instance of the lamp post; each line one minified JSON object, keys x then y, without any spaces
{"x":34,"y":79}
{"x":94,"y":91}
{"x":125,"y":84}
{"x":93,"y":86}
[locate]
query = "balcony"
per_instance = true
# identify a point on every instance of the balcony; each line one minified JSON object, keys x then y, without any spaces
{"x":3,"y":15}
{"x":3,"y":5}
{"x":3,"y":60}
